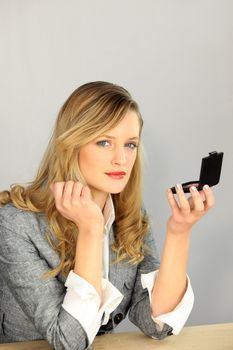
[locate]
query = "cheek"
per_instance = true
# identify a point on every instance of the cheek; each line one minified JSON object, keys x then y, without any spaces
{"x":84,"y":160}
{"x":90,"y":160}
{"x":132,"y":159}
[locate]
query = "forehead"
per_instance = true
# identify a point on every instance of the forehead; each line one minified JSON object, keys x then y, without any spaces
{"x":129,"y":126}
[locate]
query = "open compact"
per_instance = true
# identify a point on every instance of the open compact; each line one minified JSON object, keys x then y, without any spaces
{"x":210,"y":172}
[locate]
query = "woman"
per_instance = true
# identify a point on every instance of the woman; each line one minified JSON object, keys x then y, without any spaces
{"x":76,"y":250}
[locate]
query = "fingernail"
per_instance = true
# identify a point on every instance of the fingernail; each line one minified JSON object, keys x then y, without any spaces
{"x":179,"y":186}
{"x":169,"y":190}
{"x":193,"y":189}
{"x":206,"y":187}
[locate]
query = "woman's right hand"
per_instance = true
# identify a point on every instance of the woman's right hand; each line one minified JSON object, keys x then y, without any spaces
{"x":75,"y":202}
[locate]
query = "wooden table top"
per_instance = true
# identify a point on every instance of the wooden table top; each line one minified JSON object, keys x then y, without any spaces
{"x":206,"y":337}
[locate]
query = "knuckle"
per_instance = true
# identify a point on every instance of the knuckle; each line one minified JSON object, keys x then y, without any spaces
{"x":200,"y":209}
{"x":198,"y":214}
{"x":78,"y":184}
{"x":84,"y":201}
{"x":59,"y":183}
{"x":185,"y":209}
{"x":65,"y":204}
{"x":58,"y":206}
{"x":75,"y":201}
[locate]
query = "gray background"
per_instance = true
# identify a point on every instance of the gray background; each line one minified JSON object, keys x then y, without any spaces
{"x":176,"y":58}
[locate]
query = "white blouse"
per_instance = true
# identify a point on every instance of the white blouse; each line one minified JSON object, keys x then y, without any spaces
{"x":83,"y":302}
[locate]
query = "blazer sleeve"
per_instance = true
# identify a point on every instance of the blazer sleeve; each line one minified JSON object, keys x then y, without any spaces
{"x":140,"y":309}
{"x":41,"y":300}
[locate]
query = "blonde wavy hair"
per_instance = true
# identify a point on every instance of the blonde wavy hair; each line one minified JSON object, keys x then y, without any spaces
{"x":90,"y":111}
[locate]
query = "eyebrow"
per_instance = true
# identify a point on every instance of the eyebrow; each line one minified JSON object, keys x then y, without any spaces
{"x":113,"y":137}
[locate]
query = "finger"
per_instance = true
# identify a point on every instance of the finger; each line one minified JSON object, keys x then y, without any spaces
{"x":203,"y":197}
{"x":209,"y":203}
{"x":67,"y":192}
{"x":198,"y":205}
{"x":184,"y":203}
{"x":171,"y":200}
{"x":191,"y":203}
{"x":86,"y":193}
{"x":57,"y":190}
{"x":77,"y":190}
{"x":202,"y":194}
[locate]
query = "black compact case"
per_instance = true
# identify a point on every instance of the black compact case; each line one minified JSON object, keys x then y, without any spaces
{"x":210,"y":172}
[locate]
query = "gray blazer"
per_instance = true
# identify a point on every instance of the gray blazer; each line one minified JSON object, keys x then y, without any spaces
{"x":31,"y":307}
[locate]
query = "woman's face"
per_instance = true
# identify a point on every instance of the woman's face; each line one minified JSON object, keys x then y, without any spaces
{"x":114,"y":151}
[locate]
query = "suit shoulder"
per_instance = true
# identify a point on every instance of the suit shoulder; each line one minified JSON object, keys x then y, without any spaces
{"x":18,"y":220}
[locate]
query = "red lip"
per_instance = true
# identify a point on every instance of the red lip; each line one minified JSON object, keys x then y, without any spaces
{"x":117,"y":173}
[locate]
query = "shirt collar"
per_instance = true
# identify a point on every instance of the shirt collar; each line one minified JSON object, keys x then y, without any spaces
{"x":109,"y":213}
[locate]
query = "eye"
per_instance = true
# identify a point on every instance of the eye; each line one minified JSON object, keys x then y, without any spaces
{"x":132,"y":145}
{"x":102,"y":143}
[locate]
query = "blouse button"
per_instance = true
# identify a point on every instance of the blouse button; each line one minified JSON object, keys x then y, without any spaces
{"x":170,"y":332}
{"x":118,"y":318}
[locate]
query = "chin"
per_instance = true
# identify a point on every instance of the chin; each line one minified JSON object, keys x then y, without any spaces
{"x":112,"y":189}
{"x":116,"y":192}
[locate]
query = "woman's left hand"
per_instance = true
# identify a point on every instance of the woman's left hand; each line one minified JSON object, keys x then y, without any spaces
{"x":189,"y":210}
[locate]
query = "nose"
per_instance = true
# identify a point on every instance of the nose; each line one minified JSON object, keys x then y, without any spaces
{"x":119,"y":156}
